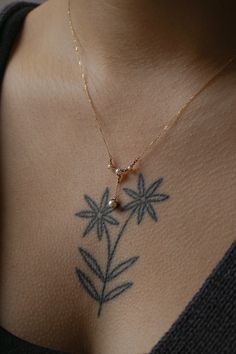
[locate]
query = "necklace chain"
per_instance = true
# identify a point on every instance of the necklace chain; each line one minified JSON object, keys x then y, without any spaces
{"x":121,"y":172}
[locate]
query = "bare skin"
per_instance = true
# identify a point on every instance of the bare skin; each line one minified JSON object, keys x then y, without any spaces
{"x":52,"y":154}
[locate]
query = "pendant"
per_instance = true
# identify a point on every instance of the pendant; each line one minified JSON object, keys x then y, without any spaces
{"x":120,"y":173}
{"x":113,"y":203}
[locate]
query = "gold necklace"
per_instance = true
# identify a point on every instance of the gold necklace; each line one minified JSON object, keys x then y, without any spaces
{"x":122,"y":172}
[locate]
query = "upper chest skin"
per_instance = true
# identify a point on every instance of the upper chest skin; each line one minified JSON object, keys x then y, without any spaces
{"x":51,"y":156}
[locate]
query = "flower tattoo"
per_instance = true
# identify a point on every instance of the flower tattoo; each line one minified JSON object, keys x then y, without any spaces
{"x":143,"y":198}
{"x":100,"y":288}
{"x":99,"y":215}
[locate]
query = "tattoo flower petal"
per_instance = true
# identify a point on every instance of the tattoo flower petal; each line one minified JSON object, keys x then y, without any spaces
{"x":111,"y":220}
{"x":131,"y":193}
{"x":141,"y":212}
{"x":90,"y":226}
{"x":151,"y":211}
{"x":141,"y":186}
{"x":99,"y":229}
{"x":86,"y":214}
{"x":144,"y":198}
{"x":91,"y":203}
{"x":158,"y":198}
{"x":131,"y":205}
{"x":153,"y":187}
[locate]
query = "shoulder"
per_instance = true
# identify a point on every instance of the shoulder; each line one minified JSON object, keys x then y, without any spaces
{"x":37,"y":38}
{"x":12,"y":17}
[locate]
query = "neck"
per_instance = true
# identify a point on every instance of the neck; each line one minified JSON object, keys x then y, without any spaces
{"x":130,"y":32}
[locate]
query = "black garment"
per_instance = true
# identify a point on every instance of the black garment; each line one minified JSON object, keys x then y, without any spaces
{"x":11,"y":18}
{"x":208,"y":323}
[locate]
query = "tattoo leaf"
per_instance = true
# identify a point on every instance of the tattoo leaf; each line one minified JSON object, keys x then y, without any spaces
{"x":122,"y":267}
{"x":92,"y":263}
{"x":87,"y":284}
{"x":117,"y":291}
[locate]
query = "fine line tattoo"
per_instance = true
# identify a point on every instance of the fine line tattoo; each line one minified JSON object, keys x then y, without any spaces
{"x":100,"y":222}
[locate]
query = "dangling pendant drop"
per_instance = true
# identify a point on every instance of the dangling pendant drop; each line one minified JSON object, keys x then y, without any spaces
{"x":113,"y":203}
{"x":120,"y":173}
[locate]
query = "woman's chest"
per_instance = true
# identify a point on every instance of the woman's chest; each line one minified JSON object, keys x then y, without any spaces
{"x":76,"y":275}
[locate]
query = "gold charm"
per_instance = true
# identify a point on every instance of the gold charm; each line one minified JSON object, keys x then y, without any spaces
{"x":120,"y":173}
{"x":113,"y":203}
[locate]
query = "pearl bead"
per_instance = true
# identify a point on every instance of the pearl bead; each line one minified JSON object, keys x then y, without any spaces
{"x":113,"y":203}
{"x":129,"y":168}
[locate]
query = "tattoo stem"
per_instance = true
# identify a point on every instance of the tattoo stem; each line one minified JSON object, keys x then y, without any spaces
{"x":111,"y":255}
{"x":121,"y":233}
{"x":107,"y":270}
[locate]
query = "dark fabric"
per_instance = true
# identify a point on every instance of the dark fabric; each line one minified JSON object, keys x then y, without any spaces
{"x":10,"y":344}
{"x":208,"y":323}
{"x":11,"y":18}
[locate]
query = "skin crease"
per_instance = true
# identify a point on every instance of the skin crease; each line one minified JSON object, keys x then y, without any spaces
{"x":145,"y":59}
